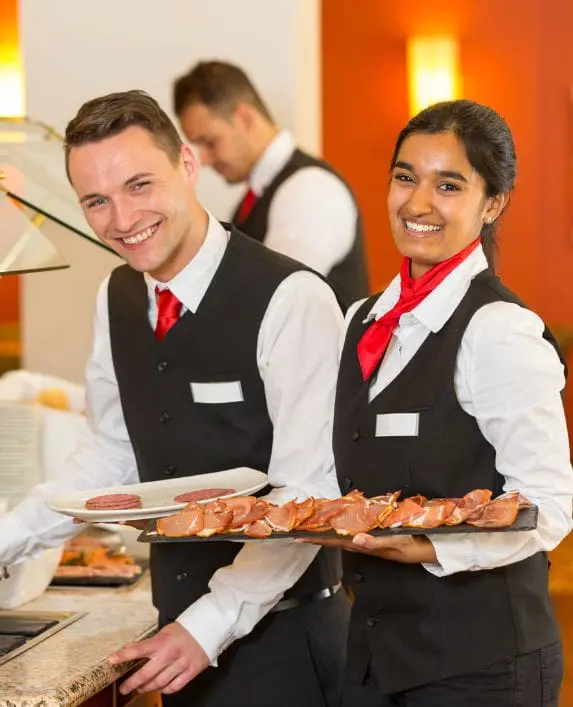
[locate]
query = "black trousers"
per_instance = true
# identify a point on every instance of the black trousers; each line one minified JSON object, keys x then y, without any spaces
{"x":531,"y":680}
{"x":293,"y":658}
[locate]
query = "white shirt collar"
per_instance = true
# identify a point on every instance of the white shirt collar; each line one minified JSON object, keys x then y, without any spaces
{"x":435,"y":310}
{"x":273,"y":159}
{"x":191,"y":283}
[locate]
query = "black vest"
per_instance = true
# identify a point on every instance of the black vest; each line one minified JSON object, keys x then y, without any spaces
{"x":415,"y":628}
{"x":349,"y":277}
{"x":173,"y":436}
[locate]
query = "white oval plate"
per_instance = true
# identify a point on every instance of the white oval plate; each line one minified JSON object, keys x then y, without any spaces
{"x":157,"y":496}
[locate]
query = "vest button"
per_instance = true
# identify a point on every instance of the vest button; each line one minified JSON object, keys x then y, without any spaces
{"x":182,"y":577}
{"x":356,"y":436}
{"x":162,"y":366}
{"x":370,"y":623}
{"x":346,"y":484}
{"x":170,"y":469}
{"x":358,"y":577}
{"x":164,"y":417}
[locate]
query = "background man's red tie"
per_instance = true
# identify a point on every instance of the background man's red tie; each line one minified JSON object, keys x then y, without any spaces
{"x":168,"y":311}
{"x":246,"y":206}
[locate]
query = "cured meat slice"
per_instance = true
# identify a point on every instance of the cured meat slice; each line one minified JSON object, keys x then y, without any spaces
{"x":258,"y":529}
{"x":388,"y":498}
{"x":304,"y":509}
{"x":187,"y":522}
{"x":325,"y":509}
{"x":282,"y":518}
{"x":113,"y":502}
{"x":258,"y":511}
{"x":499,"y":513}
{"x":217,"y":516}
{"x":468,"y":506}
{"x":407,"y":510}
{"x":522,"y":500}
{"x":202,"y":495}
{"x":358,"y":517}
{"x":241,"y":506}
{"x":434,"y":514}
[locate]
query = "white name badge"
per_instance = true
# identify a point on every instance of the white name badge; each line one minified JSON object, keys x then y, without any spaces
{"x":217,"y":392}
{"x":398,"y":424}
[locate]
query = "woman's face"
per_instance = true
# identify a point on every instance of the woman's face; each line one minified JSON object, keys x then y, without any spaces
{"x":437,"y":201}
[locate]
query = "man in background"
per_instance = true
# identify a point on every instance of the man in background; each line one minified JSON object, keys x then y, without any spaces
{"x":295,"y":204}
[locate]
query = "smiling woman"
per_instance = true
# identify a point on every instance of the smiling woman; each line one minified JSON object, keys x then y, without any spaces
{"x":452,"y":170}
{"x":471,"y":381}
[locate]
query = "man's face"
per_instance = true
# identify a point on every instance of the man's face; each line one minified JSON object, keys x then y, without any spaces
{"x":223,"y":142}
{"x":136,"y":200}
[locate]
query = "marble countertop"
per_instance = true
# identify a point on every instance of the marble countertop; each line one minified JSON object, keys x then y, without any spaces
{"x":71,"y":665}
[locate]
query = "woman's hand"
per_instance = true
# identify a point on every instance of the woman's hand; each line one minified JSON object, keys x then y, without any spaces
{"x":410,"y":549}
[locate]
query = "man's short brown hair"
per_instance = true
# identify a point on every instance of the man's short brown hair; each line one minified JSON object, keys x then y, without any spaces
{"x":218,"y":85}
{"x":110,"y":115}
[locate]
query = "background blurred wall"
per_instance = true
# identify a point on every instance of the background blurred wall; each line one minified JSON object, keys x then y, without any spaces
{"x":516,"y":57}
{"x":74,"y":51}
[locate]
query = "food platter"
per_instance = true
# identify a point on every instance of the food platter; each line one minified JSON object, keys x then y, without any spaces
{"x":157,"y":497}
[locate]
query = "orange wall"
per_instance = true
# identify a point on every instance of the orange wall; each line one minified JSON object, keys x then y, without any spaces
{"x":9,"y":290}
{"x":517,"y":57}
{"x":9,"y":300}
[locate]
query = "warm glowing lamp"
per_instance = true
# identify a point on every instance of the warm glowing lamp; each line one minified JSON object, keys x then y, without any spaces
{"x":433,"y":71}
{"x":11,"y":73}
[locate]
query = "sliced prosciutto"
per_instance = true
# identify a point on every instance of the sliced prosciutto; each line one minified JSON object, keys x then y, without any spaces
{"x":304,"y":509}
{"x":434,"y":514}
{"x":521,"y":500}
{"x":258,"y":511}
{"x":325,"y":509}
{"x":467,"y":506}
{"x":217,"y":517}
{"x":242,"y":508}
{"x":406,"y":512}
{"x":187,"y":522}
{"x":500,"y":513}
{"x":258,"y":529}
{"x":358,"y":517}
{"x":390,"y":499}
{"x":281,"y":518}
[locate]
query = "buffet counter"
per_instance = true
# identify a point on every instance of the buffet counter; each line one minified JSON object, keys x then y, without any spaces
{"x":70,"y":667}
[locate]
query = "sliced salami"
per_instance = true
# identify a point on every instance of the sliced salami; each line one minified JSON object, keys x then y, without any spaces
{"x":113,"y":502}
{"x":201,"y":495}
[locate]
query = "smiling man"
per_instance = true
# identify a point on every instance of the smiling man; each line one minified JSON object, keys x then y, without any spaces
{"x":199,"y":303}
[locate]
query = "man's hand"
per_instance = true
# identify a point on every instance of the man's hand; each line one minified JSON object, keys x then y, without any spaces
{"x":410,"y":549}
{"x":174,"y":659}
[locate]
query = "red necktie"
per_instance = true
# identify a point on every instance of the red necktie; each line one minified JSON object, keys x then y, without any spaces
{"x":246,"y":206}
{"x":168,"y":311}
{"x":375,"y":340}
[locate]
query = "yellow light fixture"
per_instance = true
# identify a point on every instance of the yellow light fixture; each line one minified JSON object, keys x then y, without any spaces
{"x":433,"y":71}
{"x":11,"y":71}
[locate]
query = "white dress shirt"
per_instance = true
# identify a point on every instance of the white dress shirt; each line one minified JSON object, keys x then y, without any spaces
{"x":297,"y":356}
{"x":312,"y":216}
{"x":509,"y":378}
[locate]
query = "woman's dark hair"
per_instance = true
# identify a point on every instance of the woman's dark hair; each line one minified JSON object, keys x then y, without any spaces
{"x":488,"y":143}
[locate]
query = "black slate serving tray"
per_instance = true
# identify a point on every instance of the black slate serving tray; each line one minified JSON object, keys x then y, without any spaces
{"x":526,"y":520}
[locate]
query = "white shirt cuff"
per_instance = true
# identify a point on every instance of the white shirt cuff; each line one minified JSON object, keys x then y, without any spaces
{"x":455,"y":553}
{"x":211,"y":629}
